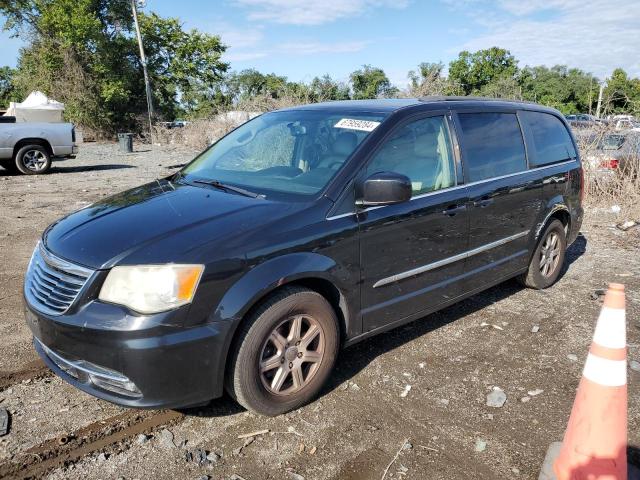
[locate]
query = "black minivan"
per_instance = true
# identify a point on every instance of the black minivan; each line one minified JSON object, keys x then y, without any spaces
{"x":299,"y":232}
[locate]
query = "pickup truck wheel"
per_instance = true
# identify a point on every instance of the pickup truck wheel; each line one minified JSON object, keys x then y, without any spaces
{"x":8,"y":165}
{"x":33,"y":160}
{"x":285,"y":352}
{"x":548,"y":257}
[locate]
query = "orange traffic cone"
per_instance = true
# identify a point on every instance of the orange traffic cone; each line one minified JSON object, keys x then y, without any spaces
{"x":595,"y":442}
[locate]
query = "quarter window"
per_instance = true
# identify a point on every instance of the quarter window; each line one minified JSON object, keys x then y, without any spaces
{"x":493,"y":145}
{"x":550,"y":138}
{"x":421,"y":150}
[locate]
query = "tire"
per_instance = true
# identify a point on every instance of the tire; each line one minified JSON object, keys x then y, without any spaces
{"x":544,"y":270}
{"x":33,"y":160}
{"x":9,"y":165}
{"x":280,"y":388}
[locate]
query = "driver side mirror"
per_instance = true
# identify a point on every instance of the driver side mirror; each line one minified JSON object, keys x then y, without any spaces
{"x":385,"y":188}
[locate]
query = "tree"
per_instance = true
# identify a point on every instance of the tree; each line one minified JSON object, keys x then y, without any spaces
{"x":370,"y":82}
{"x":7,"y":90}
{"x":568,"y":90}
{"x":84,"y":53}
{"x":473,"y":71}
{"x":622,"y":94}
{"x":325,"y":88}
{"x":428,"y":80}
{"x":181,"y":63}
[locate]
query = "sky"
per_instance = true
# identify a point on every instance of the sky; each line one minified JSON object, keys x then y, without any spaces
{"x":301,"y":39}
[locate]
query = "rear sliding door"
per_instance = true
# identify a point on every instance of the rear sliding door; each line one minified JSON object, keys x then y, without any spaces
{"x":504,"y":196}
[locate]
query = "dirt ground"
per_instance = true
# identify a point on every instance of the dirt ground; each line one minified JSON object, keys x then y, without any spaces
{"x":362,"y":423}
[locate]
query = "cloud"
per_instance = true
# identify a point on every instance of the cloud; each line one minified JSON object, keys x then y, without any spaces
{"x":313,"y":48}
{"x":594,"y":35}
{"x":296,"y":12}
{"x":298,"y":49}
{"x":233,"y":56}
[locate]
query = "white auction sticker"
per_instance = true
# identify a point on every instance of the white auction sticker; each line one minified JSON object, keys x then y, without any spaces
{"x":353,"y":124}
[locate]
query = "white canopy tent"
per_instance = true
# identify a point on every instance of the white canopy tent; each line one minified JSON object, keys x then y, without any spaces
{"x":37,"y":107}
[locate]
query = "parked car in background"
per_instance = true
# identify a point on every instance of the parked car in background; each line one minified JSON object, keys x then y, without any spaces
{"x":583,"y":120}
{"x":31,"y":147}
{"x":616,"y":153}
{"x":299,"y":232}
{"x":174,"y":124}
{"x":626,"y":124}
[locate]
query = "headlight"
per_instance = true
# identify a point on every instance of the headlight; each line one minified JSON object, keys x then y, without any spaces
{"x":152,"y":288}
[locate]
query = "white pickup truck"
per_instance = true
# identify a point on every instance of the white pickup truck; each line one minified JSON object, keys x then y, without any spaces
{"x":30,"y":147}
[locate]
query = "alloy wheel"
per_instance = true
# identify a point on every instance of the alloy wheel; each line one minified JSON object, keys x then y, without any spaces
{"x":550,"y":254}
{"x":292,"y":355}
{"x":34,"y":160}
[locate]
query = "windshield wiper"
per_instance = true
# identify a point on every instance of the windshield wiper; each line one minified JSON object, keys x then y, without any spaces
{"x":224,"y":186}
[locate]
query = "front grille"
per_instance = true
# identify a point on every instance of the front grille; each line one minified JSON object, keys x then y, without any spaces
{"x":52,"y":284}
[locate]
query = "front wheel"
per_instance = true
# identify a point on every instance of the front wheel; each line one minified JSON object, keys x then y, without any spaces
{"x":33,"y":160}
{"x":285,"y":352}
{"x":548,"y":258}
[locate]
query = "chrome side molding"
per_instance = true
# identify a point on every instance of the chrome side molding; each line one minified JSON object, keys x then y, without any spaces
{"x":446,"y":261}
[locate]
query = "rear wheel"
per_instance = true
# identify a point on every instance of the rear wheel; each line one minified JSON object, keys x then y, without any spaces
{"x":33,"y":160}
{"x":285,"y":352}
{"x":548,"y":258}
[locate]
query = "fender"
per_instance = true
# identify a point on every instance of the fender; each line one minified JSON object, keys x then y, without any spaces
{"x":265,"y":278}
{"x":555,"y":204}
{"x":274,"y":273}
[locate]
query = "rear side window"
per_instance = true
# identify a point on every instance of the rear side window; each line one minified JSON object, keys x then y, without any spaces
{"x":493,"y":145}
{"x":550,"y":138}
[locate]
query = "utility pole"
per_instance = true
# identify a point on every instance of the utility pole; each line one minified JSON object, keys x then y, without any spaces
{"x":599,"y":100}
{"x":143,"y":59}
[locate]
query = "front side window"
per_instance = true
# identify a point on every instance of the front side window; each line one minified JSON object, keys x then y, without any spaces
{"x":287,"y":154}
{"x":492,"y":144}
{"x":421,"y":150}
{"x":551,"y":140}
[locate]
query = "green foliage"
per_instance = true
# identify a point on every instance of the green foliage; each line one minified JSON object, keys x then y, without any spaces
{"x":251,"y":83}
{"x":622,"y":93}
{"x":370,"y":82}
{"x":7,"y":87}
{"x":325,"y":89}
{"x":473,"y":71}
{"x":568,"y":90}
{"x":84,"y":53}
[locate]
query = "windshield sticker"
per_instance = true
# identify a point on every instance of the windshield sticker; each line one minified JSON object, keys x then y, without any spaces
{"x":353,"y":124}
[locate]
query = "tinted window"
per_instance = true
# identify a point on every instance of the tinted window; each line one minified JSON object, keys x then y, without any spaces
{"x":421,"y":150}
{"x":493,"y":145}
{"x":550,"y":138}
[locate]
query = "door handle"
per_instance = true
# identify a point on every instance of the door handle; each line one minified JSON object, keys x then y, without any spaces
{"x":485,"y":202}
{"x":453,"y":209}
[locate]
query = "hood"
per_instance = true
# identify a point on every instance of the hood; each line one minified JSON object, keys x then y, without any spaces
{"x":132,"y":224}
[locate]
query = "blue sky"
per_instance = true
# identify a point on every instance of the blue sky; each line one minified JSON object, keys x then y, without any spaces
{"x":302,"y":39}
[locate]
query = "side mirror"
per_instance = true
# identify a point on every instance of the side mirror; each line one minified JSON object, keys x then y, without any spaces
{"x":385,"y":188}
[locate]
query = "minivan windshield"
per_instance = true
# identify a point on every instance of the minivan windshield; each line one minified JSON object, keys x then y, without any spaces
{"x":290,"y":153}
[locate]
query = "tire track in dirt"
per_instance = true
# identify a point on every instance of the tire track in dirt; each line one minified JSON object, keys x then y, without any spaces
{"x":108,"y":435}
{"x":30,"y":371}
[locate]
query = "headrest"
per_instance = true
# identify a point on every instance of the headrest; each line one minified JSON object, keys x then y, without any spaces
{"x":345,"y":143}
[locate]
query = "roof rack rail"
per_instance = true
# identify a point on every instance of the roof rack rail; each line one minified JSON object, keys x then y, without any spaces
{"x":454,"y":98}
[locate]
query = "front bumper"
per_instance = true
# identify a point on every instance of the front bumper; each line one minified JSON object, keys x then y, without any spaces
{"x":169,"y":366}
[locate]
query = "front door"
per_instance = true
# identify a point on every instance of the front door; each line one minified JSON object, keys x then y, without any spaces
{"x":409,"y":251}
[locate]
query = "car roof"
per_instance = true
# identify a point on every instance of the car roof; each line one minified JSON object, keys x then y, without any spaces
{"x":389,"y":105}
